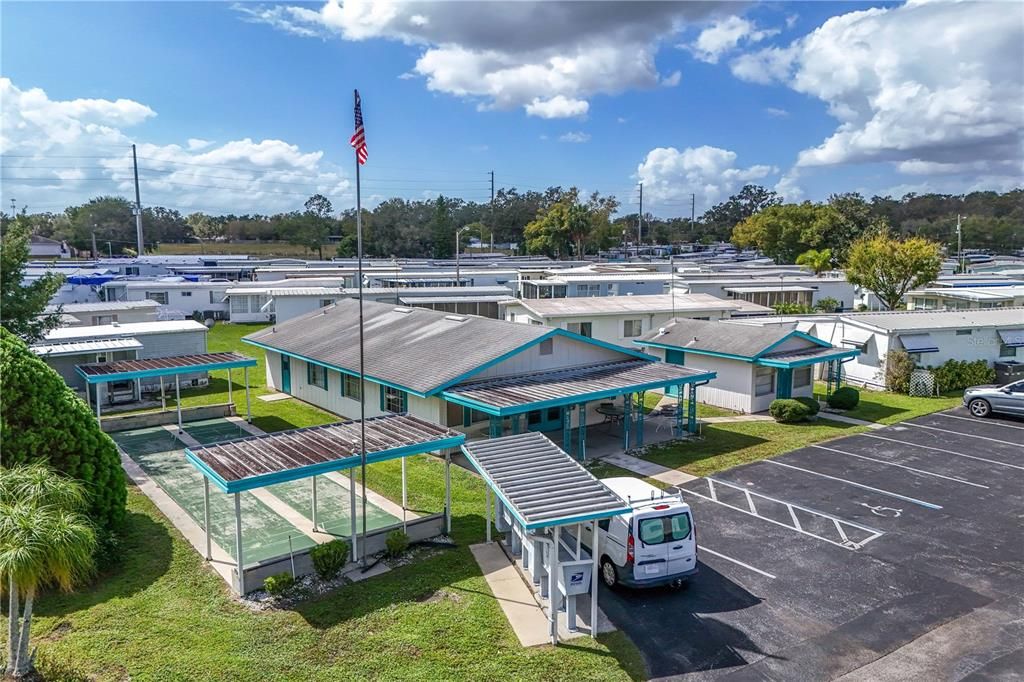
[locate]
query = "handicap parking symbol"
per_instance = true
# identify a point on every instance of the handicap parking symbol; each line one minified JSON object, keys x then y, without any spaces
{"x":879,"y":510}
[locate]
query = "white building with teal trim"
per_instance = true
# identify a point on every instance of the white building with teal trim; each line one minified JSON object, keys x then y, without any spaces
{"x":481,"y":376}
{"x":754,"y":364}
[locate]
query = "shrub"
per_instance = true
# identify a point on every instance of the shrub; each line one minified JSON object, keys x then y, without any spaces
{"x":898,"y":368}
{"x":845,"y":398}
{"x":956,"y":375}
{"x":397,"y":542}
{"x":789,"y":411}
{"x":828,"y":305}
{"x":41,"y":418}
{"x":279,"y":583}
{"x":329,"y":558}
{"x":810,"y":403}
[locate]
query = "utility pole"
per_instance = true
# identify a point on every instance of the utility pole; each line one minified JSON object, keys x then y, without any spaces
{"x":640,"y":222}
{"x":14,"y":208}
{"x":138,"y":207}
{"x":492,"y":211}
{"x":110,"y":251}
{"x":959,"y":244}
{"x":95,"y":253}
{"x":693,"y":210}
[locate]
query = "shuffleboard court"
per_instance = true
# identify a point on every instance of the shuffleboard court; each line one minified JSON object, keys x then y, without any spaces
{"x":333,"y":506}
{"x":209,"y":431}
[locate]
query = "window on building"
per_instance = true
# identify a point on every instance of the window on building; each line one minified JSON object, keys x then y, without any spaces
{"x":963,"y":332}
{"x":764,"y":381}
{"x":582,"y":328}
{"x":1007,"y":351}
{"x":104,"y":319}
{"x":324,"y":302}
{"x":186,"y":294}
{"x":316,"y":375}
{"x":394,"y":400}
{"x":131,"y":270}
{"x":588,"y":289}
{"x":631,"y":328}
{"x":239,"y":304}
{"x":916,"y":357}
{"x":158,"y":296}
{"x":801,"y":377}
{"x":217,"y":296}
{"x":350,"y":386}
{"x":547,"y":346}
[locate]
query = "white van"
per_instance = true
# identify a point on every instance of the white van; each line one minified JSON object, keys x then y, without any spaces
{"x":653,"y":545}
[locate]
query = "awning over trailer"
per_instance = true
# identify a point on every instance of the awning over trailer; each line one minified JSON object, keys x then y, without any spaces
{"x":120,"y":370}
{"x":259,"y":461}
{"x":918,"y":343}
{"x":1014,"y":338}
{"x":568,"y":386}
{"x":539,"y":483}
{"x":51,"y":350}
{"x":806,"y":356}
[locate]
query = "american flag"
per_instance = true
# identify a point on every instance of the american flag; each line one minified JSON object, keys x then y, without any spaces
{"x":358,"y":140}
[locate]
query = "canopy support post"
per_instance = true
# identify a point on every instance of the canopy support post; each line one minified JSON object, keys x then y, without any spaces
{"x":248,"y":403}
{"x":352,"y":510}
{"x":163,"y":396}
{"x":567,"y":429}
{"x":691,"y":410}
{"x":448,"y":492}
{"x":316,"y":526}
{"x":553,"y":600}
{"x":515,"y":424}
{"x":487,"y":503}
{"x":88,"y":398}
{"x":640,"y":420}
{"x":627,"y":405}
{"x":138,"y":389}
{"x":583,"y":431}
{"x":679,"y":409}
{"x":231,"y":399}
{"x":238,"y":544}
{"x":99,"y":401}
{"x":206,"y":515}
{"x":177,"y":398}
{"x":593,"y":578}
{"x":405,"y":493}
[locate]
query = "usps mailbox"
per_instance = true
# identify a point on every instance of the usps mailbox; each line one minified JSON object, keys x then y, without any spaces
{"x":574,"y":577}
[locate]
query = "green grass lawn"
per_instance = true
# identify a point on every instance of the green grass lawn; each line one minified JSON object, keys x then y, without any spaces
{"x":162,"y":614}
{"x":732,"y":444}
{"x":884,"y":407}
{"x":651,"y":400}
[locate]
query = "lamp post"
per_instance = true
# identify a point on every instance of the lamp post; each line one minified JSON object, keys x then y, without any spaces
{"x":458,"y":250}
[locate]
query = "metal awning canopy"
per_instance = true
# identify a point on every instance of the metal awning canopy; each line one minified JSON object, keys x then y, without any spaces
{"x":539,"y":483}
{"x":805,"y":356}
{"x":1014,"y":338}
{"x":52,"y":350}
{"x":918,"y":343}
{"x":855,"y":336}
{"x":258,"y":461}
{"x":121,"y":370}
{"x":567,"y":386}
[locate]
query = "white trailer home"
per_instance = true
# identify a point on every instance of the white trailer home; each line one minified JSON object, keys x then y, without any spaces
{"x":206,"y":298}
{"x":620,"y":319}
{"x":107,"y":312}
{"x":801,"y":289}
{"x":754,"y":364}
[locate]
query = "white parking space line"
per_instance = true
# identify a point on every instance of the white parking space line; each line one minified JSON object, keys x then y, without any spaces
{"x":902,"y":466}
{"x":712,"y":552}
{"x":948,"y":452}
{"x":959,"y":433}
{"x":975,"y":420}
{"x":912,"y":500}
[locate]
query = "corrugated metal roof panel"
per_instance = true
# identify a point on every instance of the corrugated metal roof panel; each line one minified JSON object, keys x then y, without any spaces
{"x":561,"y":491}
{"x":79,"y":347}
{"x":177,"y":364}
{"x":900,"y":320}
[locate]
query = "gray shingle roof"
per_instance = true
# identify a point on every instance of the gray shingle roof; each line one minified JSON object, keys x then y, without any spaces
{"x":415,"y":348}
{"x":720,"y":337}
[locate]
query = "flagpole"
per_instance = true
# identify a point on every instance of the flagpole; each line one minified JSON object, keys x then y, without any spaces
{"x":362,"y":376}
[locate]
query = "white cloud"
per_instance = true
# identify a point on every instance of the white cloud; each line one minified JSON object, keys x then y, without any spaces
{"x":787,"y":186}
{"x":557,"y":107}
{"x":709,"y":172}
{"x":46,"y":142}
{"x":672,"y":80}
{"x":622,"y":119}
{"x":577,"y":137}
{"x":549,"y":58}
{"x":777,"y":113}
{"x":724,"y":36}
{"x":929,"y":87}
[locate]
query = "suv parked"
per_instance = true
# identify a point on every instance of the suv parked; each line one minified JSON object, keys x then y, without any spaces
{"x":982,"y":401}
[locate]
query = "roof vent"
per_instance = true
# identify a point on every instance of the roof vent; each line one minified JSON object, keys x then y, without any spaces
{"x":456,"y":318}
{"x":662,"y":331}
{"x":404,"y":311}
{"x":115,"y":323}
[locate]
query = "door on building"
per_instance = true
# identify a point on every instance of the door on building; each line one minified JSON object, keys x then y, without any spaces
{"x":286,"y":374}
{"x":548,"y":419}
{"x":675,"y":357}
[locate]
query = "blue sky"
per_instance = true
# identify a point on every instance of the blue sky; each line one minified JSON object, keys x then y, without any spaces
{"x":774,"y":94}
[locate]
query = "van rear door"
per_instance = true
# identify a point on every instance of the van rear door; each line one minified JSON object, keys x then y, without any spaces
{"x":665,"y":544}
{"x":682,"y":545}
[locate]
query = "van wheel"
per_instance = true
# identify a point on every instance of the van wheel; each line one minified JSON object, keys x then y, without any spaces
{"x":979,"y":407}
{"x":608,"y":573}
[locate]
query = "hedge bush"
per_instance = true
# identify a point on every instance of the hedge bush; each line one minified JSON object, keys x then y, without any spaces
{"x":329,"y":558}
{"x":956,"y":375}
{"x":397,"y":542}
{"x":41,"y":419}
{"x":810,"y":403}
{"x":278,"y":584}
{"x":845,"y":398}
{"x":898,"y":368}
{"x":789,"y":411}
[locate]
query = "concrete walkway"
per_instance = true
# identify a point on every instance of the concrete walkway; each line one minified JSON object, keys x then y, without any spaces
{"x":523,"y":612}
{"x":849,"y":420}
{"x":648,"y":469}
{"x":738,"y":418}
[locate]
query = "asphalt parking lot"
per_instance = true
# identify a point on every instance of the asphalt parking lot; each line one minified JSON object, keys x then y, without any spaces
{"x":893,"y":554}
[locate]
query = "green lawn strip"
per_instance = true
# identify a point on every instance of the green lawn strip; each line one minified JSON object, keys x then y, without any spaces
{"x":162,"y":615}
{"x":602,"y":469}
{"x":651,"y":400}
{"x":883,"y":407}
{"x":731,"y":444}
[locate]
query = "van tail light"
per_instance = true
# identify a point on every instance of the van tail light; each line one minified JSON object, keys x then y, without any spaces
{"x":630,"y":545}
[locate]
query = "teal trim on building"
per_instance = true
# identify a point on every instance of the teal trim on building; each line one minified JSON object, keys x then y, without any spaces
{"x":674,"y":356}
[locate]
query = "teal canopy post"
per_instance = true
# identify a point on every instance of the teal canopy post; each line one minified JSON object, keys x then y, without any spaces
{"x":839,"y":374}
{"x":640,"y":420}
{"x":679,"y":409}
{"x":691,"y":410}
{"x":627,"y":405}
{"x":231,"y":397}
{"x":238,"y":544}
{"x":515,"y":424}
{"x":583,"y":432}
{"x":248,"y":401}
{"x":495,"y":430}
{"x":567,"y":429}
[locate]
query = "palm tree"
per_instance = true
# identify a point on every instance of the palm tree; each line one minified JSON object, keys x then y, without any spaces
{"x":817,"y":261}
{"x":44,"y":539}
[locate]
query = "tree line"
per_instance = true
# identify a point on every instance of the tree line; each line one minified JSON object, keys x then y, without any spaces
{"x":558,"y":221}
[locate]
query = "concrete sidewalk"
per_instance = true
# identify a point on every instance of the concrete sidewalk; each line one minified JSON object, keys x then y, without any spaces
{"x":648,"y":469}
{"x":523,"y":612}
